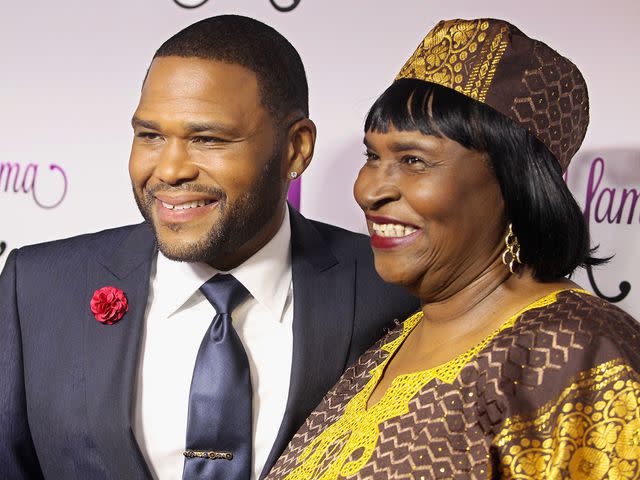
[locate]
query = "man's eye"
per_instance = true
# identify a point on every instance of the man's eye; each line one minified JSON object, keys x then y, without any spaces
{"x":148,"y":135}
{"x":207,"y":140}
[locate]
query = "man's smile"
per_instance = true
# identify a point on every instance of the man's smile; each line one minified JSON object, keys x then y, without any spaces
{"x":182,"y":208}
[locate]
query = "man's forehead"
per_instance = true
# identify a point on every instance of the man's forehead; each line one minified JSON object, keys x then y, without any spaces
{"x":197,"y":86}
{"x":181,"y":73}
{"x":189,"y":94}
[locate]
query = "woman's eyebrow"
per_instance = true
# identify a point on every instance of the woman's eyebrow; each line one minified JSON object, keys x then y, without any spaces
{"x":403,"y":145}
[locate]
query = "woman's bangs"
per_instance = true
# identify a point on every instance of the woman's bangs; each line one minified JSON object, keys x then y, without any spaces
{"x":428,"y":108}
{"x":405,"y":107}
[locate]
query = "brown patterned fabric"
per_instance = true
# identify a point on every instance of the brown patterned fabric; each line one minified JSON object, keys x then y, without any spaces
{"x":555,"y":396}
{"x":494,"y":63}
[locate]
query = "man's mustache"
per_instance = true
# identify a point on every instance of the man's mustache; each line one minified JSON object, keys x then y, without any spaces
{"x":186,"y":187}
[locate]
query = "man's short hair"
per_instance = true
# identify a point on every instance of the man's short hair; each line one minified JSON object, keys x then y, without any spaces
{"x":247,"y":42}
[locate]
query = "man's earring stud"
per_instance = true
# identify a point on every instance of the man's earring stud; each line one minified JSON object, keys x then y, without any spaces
{"x":293,"y":175}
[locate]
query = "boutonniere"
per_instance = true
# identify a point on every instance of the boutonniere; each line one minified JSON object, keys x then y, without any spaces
{"x":109,"y":304}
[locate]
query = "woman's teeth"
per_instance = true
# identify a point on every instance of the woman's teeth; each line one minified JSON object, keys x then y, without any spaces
{"x":186,"y":205}
{"x":392,"y":230}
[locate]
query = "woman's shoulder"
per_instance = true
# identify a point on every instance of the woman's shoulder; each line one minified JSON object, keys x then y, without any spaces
{"x":576,"y":316}
{"x":567,"y":334}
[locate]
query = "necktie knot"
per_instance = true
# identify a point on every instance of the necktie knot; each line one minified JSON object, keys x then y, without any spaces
{"x":224,"y":292}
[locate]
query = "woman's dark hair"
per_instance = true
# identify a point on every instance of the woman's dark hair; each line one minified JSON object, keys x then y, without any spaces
{"x":551,"y":229}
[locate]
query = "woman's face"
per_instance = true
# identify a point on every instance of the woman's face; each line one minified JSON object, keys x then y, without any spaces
{"x":434,"y":211}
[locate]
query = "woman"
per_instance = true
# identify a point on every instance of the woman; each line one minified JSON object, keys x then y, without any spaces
{"x":509,"y":370}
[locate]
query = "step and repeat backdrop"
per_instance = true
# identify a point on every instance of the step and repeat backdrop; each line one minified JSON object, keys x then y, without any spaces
{"x":72,"y":71}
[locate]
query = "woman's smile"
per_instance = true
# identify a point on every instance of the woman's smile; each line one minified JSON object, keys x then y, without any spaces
{"x":387,"y":233}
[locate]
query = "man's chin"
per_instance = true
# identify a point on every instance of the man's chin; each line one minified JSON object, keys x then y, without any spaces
{"x":176,"y":244}
{"x":183,"y":252}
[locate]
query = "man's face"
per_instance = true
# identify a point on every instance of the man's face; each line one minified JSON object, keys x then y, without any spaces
{"x":206,"y":165}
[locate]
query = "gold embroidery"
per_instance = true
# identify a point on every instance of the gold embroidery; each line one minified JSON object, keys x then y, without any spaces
{"x":592,"y":431}
{"x":346,"y":446}
{"x":439,"y":58}
{"x":482,"y":75}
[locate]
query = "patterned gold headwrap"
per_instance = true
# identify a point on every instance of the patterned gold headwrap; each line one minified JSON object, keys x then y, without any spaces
{"x":494,"y":63}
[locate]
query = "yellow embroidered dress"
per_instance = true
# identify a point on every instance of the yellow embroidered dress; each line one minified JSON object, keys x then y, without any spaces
{"x":552,"y":394}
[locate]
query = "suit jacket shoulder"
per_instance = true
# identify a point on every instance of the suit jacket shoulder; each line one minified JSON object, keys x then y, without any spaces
{"x":378,"y":305}
{"x":60,"y":363}
{"x":68,"y":251}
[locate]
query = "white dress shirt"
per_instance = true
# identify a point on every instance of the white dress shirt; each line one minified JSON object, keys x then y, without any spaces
{"x":178,"y":315}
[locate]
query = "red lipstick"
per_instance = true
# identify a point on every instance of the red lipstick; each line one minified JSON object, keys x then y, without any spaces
{"x":383,"y":242}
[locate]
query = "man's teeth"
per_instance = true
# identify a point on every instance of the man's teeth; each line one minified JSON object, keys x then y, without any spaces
{"x":186,"y":205}
{"x":392,"y":230}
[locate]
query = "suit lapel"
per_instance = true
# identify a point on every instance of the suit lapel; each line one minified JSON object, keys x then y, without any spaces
{"x":321,"y":329}
{"x":111,"y":353}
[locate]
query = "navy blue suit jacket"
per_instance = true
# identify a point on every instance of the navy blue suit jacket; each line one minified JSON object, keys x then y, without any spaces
{"x":67,"y":382}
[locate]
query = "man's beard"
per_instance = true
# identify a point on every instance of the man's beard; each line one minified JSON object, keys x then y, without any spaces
{"x":237,"y":223}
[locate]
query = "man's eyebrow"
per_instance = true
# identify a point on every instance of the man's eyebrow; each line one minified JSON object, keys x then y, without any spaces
{"x":138,"y":122}
{"x":190,"y":127}
{"x":220,"y":128}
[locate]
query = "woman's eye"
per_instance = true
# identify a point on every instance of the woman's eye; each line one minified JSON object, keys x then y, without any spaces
{"x":412,"y":160}
{"x":370,"y":156}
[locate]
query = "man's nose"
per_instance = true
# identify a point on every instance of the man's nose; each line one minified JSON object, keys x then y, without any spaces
{"x":174,"y":165}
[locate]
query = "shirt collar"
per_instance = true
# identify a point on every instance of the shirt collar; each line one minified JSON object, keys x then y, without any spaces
{"x":267,"y":275}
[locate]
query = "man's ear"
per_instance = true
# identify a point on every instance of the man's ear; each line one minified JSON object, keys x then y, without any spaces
{"x":301,"y":139}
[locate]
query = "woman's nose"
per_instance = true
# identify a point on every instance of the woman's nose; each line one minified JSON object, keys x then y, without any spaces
{"x":375,"y":187}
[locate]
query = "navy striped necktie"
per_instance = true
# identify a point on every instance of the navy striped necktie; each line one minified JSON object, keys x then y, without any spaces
{"x":219,"y":438}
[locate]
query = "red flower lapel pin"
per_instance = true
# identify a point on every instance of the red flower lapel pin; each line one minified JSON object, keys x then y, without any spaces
{"x":109,"y":304}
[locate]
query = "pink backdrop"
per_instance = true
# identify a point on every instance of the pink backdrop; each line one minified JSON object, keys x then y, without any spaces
{"x":72,"y":71}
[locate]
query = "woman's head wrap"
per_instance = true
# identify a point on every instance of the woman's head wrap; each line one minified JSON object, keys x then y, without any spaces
{"x":493,"y":62}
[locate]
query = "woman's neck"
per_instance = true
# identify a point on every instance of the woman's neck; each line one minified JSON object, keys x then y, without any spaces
{"x":460,"y":301}
{"x":487,"y":300}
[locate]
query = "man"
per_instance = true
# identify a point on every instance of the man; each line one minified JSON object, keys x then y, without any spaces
{"x":107,"y":344}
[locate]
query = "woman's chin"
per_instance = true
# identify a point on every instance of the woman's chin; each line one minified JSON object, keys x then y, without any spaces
{"x":393,"y":273}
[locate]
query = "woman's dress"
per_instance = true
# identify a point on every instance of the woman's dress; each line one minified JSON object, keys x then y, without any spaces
{"x":553,"y":393}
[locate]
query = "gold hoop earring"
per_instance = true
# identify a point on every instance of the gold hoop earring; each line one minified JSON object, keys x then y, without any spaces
{"x":511,"y":256}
